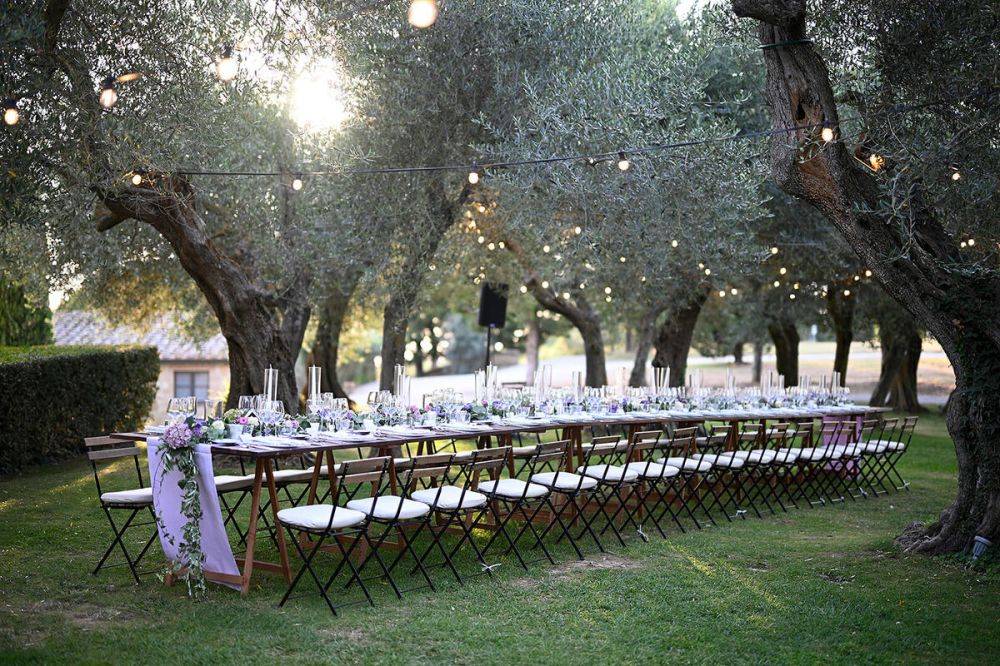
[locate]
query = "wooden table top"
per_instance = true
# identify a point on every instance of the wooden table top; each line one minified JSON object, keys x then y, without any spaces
{"x":391,"y":440}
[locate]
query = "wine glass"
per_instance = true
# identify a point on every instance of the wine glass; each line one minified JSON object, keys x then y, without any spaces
{"x":175,"y":410}
{"x":246,"y":404}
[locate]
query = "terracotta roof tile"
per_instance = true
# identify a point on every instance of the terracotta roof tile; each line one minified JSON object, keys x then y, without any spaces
{"x":75,"y":327}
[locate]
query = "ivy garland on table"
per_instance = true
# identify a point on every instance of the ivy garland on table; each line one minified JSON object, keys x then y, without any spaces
{"x":178,"y":453}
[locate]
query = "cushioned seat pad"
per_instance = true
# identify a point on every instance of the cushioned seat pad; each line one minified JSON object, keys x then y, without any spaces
{"x":513,"y":488}
{"x":608,"y":473}
{"x":317,"y":517}
{"x":386,"y":507}
{"x":564,"y":481}
{"x":450,"y":497}
{"x":136,"y":496}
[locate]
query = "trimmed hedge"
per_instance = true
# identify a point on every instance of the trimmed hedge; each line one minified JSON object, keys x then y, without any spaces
{"x":51,"y":397}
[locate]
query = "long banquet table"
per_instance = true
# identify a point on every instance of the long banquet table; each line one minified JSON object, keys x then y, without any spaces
{"x":390,"y":442}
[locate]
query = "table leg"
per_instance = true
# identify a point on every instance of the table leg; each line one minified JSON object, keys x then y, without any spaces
{"x":272,"y":491}
{"x":248,"y":557}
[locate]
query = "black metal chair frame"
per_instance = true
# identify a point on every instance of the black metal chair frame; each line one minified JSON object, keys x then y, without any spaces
{"x":110,"y":450}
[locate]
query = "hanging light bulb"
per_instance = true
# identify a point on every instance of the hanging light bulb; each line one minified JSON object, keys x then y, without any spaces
{"x":577,"y":230}
{"x":473,"y":177}
{"x":774,"y":250}
{"x":11,"y":114}
{"x":623,"y":162}
{"x":722,"y":293}
{"x":137,"y":176}
{"x":227,"y":66}
{"x":868,"y":272}
{"x":876,"y":161}
{"x":108,"y":96}
{"x":297,"y":182}
{"x":673,"y":243}
{"x":827,"y":134}
{"x":956,"y":175}
{"x":734,"y":291}
{"x":708,"y":271}
{"x":782,"y":270}
{"x":847,"y":292}
{"x":422,"y":13}
{"x":524,"y":289}
{"x":777,"y":283}
{"x":971,"y":242}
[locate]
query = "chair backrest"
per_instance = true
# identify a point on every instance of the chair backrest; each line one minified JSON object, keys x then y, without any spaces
{"x":777,"y":436}
{"x":607,"y":451}
{"x":829,"y":433}
{"x":682,"y":442}
{"x":751,"y":434}
{"x":717,"y":438}
{"x":802,"y":437}
{"x":548,"y":453}
{"x":353,"y":475}
{"x":491,"y":461}
{"x":907,"y":430}
{"x":101,"y":450}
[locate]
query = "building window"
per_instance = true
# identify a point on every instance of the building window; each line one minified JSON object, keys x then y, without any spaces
{"x":191,"y":383}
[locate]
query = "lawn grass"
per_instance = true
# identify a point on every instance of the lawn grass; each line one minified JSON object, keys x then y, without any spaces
{"x":823,"y":585}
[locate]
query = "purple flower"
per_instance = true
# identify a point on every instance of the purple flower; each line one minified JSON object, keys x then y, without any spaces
{"x":178,"y":436}
{"x":243,"y":420}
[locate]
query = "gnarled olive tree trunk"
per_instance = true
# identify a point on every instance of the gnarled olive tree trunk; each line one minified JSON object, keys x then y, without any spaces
{"x":326,"y":350}
{"x":841,"y":309}
{"x":261,"y":328}
{"x":785,"y":337}
{"x":577,"y":309}
{"x":958,"y":307}
{"x":420,"y":248}
{"x":644,"y":336}
{"x":673,"y":338}
{"x":901,"y":343}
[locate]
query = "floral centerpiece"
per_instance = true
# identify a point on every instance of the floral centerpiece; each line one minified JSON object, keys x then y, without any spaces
{"x":178,"y":453}
{"x":237,"y":422}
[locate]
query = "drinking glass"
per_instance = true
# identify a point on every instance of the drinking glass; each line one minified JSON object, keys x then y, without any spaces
{"x":175,"y":410}
{"x":246,"y":403}
{"x":213,"y":409}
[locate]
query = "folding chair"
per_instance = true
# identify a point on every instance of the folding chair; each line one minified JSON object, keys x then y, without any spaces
{"x":570,"y":488}
{"x":707,"y":448}
{"x":106,"y":450}
{"x":657,"y":477}
{"x":461,"y":505}
{"x":684,"y":456}
{"x":727,"y":480}
{"x":890,"y":446}
{"x":759,"y":466}
{"x":604,"y":460}
{"x":336,"y":523}
{"x":394,"y":513}
{"x":524,"y":499}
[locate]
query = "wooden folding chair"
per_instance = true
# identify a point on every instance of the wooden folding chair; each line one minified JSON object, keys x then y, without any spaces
{"x":107,"y":450}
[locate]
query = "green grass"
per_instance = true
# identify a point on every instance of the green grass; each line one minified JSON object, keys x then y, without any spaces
{"x":823,"y":585}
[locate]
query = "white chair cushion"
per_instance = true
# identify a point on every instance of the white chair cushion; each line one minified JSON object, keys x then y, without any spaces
{"x":524,"y":451}
{"x":785,"y":456}
{"x":611,"y":473}
{"x":812,"y":454}
{"x":385,"y":507}
{"x":759,"y":457}
{"x":687,"y":464}
{"x":652,"y":470}
{"x":317,"y":517}
{"x":875,"y":447}
{"x":849,"y":451}
{"x":729,"y":460}
{"x":888,"y":444}
{"x":136,"y":496}
{"x":449,"y":498}
{"x":225,"y":483}
{"x":513,"y":488}
{"x":293,"y":475}
{"x":564,"y":481}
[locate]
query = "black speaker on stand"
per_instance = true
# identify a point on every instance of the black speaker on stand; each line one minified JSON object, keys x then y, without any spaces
{"x":492,"y":311}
